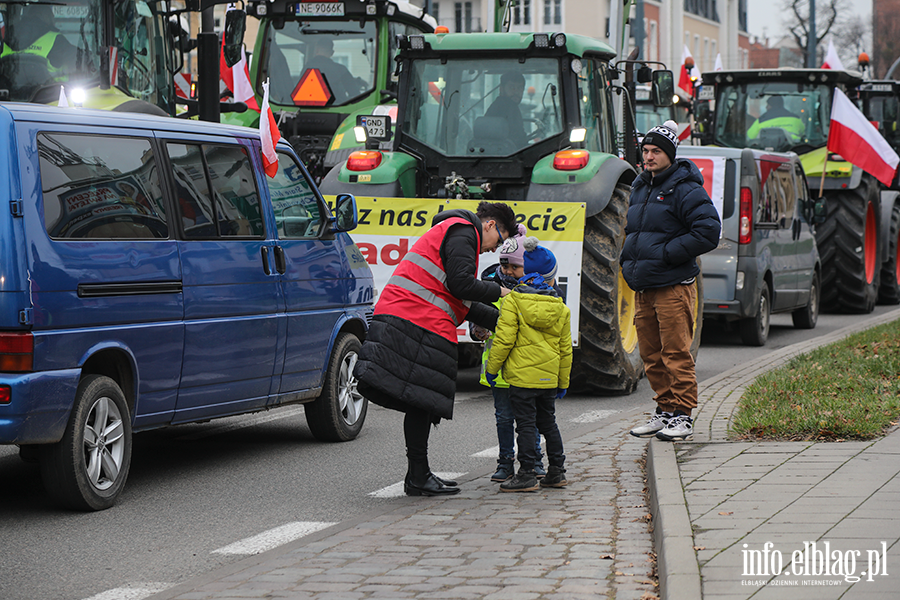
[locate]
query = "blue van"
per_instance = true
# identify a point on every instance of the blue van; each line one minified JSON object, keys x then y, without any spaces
{"x":152,"y":274}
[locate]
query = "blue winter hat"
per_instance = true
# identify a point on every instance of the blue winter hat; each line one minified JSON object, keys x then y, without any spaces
{"x":539,"y":260}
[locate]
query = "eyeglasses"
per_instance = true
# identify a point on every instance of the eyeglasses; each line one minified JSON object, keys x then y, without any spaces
{"x":499,"y":236}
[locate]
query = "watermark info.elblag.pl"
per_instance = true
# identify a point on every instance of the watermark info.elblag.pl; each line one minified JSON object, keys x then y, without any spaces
{"x":812,"y":565}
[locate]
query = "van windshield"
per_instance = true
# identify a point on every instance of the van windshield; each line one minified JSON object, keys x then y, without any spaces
{"x":488,"y":107}
{"x":780,"y":116}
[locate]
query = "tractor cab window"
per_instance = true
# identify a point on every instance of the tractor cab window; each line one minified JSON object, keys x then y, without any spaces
{"x":489,"y":107}
{"x":779,"y":116}
{"x":140,"y":28}
{"x":883,"y":112}
{"x":343,"y":52}
{"x":593,"y":100}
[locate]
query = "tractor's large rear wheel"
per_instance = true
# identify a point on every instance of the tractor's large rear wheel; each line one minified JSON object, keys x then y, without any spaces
{"x":889,"y":290}
{"x":848,"y":247}
{"x":607,"y":361}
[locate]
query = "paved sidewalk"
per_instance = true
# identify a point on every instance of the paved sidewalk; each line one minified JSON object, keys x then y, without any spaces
{"x":727,"y":514}
{"x":708,"y":499}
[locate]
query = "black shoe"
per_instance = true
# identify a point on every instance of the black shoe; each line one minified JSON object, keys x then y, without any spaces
{"x":505,"y":470}
{"x":446,"y":482}
{"x":524,"y":481}
{"x":555,"y":478}
{"x":431,"y":487}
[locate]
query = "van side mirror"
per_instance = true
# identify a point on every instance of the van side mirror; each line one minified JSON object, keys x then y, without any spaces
{"x":820,"y":211}
{"x":345,"y":214}
{"x":235,"y":23}
{"x":663,"y":88}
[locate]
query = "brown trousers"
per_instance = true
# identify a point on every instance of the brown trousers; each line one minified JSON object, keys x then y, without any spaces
{"x":664,"y":318}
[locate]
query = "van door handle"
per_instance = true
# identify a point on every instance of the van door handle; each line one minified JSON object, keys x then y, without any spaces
{"x":280,"y":263}
{"x":265,"y":258}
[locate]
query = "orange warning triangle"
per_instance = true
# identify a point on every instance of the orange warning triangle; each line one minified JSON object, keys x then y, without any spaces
{"x":312,"y":90}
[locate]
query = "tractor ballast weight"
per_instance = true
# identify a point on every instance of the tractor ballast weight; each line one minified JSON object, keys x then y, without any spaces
{"x":451,"y":141}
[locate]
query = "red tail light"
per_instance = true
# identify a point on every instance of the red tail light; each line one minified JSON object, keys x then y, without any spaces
{"x":16,"y":352}
{"x":571,"y":160}
{"x":5,"y":394}
{"x":746,"y":216}
{"x":364,"y":160}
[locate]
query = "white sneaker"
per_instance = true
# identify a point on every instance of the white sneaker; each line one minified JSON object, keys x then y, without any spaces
{"x":679,"y":427}
{"x":656,"y":423}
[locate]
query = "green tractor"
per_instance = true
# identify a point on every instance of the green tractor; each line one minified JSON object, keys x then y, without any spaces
{"x":452,"y":140}
{"x":789,"y":110}
{"x":880,"y":102}
{"x":327,"y":61}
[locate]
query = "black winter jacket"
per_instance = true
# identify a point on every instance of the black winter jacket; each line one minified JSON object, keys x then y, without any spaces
{"x":671,"y":221}
{"x":402,"y":365}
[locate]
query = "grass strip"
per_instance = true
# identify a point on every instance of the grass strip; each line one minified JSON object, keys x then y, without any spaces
{"x":848,"y":390}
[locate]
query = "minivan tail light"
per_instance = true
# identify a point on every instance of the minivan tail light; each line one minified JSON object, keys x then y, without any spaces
{"x":364,"y":160}
{"x":16,"y":352}
{"x":571,"y":160}
{"x":746,"y":217}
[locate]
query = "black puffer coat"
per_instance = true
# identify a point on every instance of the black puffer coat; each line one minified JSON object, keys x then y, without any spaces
{"x":671,"y":221}
{"x":402,"y":365}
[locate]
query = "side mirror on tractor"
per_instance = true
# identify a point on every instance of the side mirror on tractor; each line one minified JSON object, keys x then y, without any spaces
{"x":820,"y":211}
{"x":235,"y":23}
{"x":663,"y":88}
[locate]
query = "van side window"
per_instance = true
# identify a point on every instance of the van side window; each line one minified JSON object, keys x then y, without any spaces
{"x":100,"y":187}
{"x":297,"y":211}
{"x":215,"y":191}
{"x":778,"y":195}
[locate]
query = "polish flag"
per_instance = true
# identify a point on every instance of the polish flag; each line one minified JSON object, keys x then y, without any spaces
{"x":852,"y":136}
{"x":718,"y":66}
{"x":237,"y":78}
{"x":684,"y":79}
{"x":269,"y":135}
{"x":832,"y":60}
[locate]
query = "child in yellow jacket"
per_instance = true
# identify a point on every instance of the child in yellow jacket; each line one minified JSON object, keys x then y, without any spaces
{"x":533,"y":346}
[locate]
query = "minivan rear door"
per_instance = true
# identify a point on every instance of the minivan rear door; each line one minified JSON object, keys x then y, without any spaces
{"x":233,"y":304}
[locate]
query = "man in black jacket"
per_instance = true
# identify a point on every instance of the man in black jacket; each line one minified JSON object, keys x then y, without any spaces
{"x":409,"y":359}
{"x":671,"y":221}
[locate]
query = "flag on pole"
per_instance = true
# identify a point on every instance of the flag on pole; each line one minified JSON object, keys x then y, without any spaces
{"x":718,"y":66}
{"x":684,"y":79}
{"x":853,"y":137}
{"x":268,"y":133}
{"x":832,"y":60}
{"x":63,"y":101}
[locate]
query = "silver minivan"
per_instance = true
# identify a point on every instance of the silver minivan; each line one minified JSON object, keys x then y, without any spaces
{"x":766,"y":261}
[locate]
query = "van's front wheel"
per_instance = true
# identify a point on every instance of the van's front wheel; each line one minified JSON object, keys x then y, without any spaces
{"x":87,"y":468}
{"x":338,"y":414}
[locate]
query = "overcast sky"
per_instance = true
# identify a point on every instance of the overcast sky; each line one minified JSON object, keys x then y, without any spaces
{"x":767,"y":16}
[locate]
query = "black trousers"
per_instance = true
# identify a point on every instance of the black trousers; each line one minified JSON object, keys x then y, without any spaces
{"x":536,"y":407}
{"x":416,"y":428}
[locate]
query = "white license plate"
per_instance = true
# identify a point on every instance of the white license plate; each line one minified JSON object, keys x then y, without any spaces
{"x":320,"y":9}
{"x":376,"y":126}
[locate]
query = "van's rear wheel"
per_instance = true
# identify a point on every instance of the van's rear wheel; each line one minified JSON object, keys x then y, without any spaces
{"x":848,"y":247}
{"x":87,"y":468}
{"x":755,"y":329}
{"x":889,"y":290}
{"x":338,"y":414}
{"x":806,"y":317}
{"x":608,"y":361}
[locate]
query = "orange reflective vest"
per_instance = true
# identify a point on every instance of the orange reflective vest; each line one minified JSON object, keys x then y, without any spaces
{"x":417,"y":291}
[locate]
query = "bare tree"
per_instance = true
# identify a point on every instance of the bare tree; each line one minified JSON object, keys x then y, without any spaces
{"x":855,"y":35}
{"x":829,"y":14}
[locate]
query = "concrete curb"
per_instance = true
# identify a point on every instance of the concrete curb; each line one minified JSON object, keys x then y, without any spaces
{"x":676,"y":560}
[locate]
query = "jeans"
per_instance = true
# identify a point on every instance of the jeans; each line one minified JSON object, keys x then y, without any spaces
{"x":664,"y":319}
{"x":505,"y":434}
{"x":536,"y":409}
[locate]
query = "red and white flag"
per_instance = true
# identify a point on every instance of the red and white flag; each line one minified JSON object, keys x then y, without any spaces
{"x":832,"y":60}
{"x":684,"y":78}
{"x":113,"y":66}
{"x":269,"y":134}
{"x":718,"y":66}
{"x":237,"y":78}
{"x":853,"y":137}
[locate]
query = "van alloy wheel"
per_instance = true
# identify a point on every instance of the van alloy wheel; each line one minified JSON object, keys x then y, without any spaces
{"x":755,"y":329}
{"x":339,"y":412}
{"x":87,"y":468}
{"x":806,"y":317}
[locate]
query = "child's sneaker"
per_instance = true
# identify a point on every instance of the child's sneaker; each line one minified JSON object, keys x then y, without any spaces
{"x":524,"y":481}
{"x":679,"y":427}
{"x":505,"y":469}
{"x":539,"y":471}
{"x":657,"y":423}
{"x":555,"y":478}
